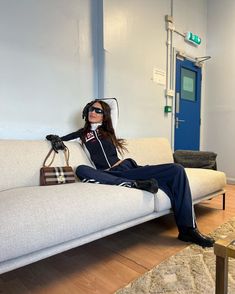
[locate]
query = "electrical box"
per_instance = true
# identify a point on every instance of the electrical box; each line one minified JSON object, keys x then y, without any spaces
{"x":170,"y":92}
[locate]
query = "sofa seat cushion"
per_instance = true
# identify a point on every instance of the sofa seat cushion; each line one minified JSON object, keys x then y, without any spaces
{"x":205,"y":181}
{"x":162,"y":201}
{"x":202,"y":182}
{"x":33,"y":218}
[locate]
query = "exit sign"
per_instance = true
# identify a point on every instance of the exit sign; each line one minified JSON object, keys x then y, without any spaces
{"x":192,"y":38}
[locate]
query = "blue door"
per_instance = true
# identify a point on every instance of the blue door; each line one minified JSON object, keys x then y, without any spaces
{"x":187,"y":105}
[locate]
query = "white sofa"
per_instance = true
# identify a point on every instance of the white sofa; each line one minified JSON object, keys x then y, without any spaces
{"x":39,"y":221}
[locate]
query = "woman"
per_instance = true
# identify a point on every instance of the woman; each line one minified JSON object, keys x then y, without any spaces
{"x":100,"y":142}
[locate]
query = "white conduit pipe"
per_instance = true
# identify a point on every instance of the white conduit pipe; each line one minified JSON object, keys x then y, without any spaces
{"x":169,"y":61}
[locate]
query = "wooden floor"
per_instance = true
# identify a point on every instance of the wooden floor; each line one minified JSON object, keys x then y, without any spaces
{"x":106,"y":265}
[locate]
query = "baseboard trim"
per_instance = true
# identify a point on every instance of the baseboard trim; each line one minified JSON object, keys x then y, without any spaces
{"x":231,"y":181}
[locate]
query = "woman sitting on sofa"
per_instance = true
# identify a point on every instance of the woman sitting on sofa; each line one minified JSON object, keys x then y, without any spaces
{"x":99,"y":140}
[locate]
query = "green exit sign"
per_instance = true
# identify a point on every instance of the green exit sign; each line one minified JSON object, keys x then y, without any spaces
{"x":190,"y":37}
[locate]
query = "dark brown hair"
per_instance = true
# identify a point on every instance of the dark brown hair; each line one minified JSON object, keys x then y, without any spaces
{"x":106,"y":130}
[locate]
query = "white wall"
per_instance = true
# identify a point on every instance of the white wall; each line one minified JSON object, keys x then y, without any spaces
{"x":220,"y":94}
{"x":52,"y":63}
{"x":46,"y":70}
{"x":190,"y":15}
{"x":135,"y":44}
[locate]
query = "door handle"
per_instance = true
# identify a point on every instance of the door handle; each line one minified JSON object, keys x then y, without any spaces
{"x":180,"y":120}
{"x":177,"y":121}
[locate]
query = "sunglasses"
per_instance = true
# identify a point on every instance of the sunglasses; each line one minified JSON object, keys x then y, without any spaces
{"x":96,"y":109}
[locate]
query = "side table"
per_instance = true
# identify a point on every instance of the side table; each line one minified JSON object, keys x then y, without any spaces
{"x":223,"y":249}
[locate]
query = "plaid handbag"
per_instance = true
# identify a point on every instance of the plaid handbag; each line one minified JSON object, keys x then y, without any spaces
{"x":56,"y":175}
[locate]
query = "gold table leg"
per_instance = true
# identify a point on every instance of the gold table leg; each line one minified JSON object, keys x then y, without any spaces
{"x":221,"y":284}
{"x":223,"y":249}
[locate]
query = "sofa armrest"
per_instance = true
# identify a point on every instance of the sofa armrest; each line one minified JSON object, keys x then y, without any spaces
{"x":196,"y":159}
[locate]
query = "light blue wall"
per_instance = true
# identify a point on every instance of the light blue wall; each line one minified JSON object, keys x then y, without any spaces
{"x":135,"y":40}
{"x":135,"y":44}
{"x":47,"y":66}
{"x":57,"y":55}
{"x":220,"y":85}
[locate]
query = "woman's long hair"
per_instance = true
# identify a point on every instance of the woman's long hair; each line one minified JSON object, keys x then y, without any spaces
{"x":106,"y":129}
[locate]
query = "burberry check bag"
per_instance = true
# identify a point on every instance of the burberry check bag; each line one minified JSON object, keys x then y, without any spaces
{"x":56,"y":175}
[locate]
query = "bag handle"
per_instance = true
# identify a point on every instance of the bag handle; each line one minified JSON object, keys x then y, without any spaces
{"x":66,"y":156}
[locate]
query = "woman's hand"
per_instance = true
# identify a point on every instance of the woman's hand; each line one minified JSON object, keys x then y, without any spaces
{"x":56,"y":142}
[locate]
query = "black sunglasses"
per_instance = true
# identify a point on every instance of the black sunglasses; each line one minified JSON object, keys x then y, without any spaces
{"x":96,"y":109}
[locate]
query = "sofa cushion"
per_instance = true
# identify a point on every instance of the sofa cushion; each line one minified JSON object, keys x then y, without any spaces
{"x":205,"y":181}
{"x":41,"y":217}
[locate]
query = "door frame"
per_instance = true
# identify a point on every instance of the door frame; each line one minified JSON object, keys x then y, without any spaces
{"x":177,"y":54}
{"x":189,"y":111}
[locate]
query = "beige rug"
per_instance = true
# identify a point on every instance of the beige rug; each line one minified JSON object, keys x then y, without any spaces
{"x":191,"y":271}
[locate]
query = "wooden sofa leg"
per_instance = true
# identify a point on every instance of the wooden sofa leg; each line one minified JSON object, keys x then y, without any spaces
{"x":223,"y":201}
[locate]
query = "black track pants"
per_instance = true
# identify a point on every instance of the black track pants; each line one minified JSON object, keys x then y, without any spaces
{"x":171,"y":178}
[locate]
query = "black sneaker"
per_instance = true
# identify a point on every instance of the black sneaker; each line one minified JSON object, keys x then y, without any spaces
{"x":194,"y":236}
{"x":150,"y":185}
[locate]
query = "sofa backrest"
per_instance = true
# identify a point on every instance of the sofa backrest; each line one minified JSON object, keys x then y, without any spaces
{"x":21,"y":160}
{"x":149,"y":150}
